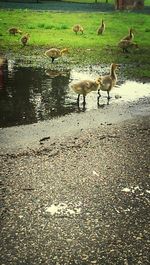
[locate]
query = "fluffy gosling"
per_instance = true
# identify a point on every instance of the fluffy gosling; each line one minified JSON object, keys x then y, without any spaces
{"x":55,"y":53}
{"x":101,"y":29}
{"x":84,"y":87}
{"x":78,"y":28}
{"x":25,"y":39}
{"x":130,"y":36}
{"x":108,"y":81}
{"x":125,"y":45}
{"x":14,"y":31}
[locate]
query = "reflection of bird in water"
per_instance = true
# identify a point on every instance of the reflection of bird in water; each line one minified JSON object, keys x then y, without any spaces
{"x":130,"y":36}
{"x":84,"y":87}
{"x":55,"y":53}
{"x":55,"y":73}
{"x":25,"y":39}
{"x":101,"y":29}
{"x":127,"y":44}
{"x":108,"y":81}
{"x":14,"y":31}
{"x":77,"y":28}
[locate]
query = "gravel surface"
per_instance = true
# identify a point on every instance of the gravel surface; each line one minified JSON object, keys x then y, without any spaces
{"x":79,"y":200}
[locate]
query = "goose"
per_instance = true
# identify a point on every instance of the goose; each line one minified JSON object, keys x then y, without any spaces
{"x":78,"y":28}
{"x":25,"y":39}
{"x":127,"y":44}
{"x":14,"y":31}
{"x":54,"y":53}
{"x":130,"y":36}
{"x":101,"y":29}
{"x":108,"y":81}
{"x":84,"y":87}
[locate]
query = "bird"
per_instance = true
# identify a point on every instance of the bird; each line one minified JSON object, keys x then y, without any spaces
{"x":108,"y":81}
{"x":78,"y":28}
{"x":14,"y":31}
{"x":130,"y":36}
{"x":101,"y":29}
{"x":25,"y":39}
{"x":127,"y":44}
{"x":54,"y":53}
{"x":84,"y":87}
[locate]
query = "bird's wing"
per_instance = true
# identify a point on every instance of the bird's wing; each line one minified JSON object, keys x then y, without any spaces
{"x":106,"y":82}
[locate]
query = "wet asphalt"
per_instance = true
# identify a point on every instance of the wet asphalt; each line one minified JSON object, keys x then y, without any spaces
{"x":79,"y":199}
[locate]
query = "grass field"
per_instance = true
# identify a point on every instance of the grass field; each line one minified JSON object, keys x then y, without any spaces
{"x":50,"y":29}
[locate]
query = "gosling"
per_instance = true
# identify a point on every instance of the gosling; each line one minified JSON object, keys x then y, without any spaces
{"x":14,"y":31}
{"x":55,"y":53}
{"x":125,"y":45}
{"x":25,"y":39}
{"x":84,"y":87}
{"x":101,"y":29}
{"x":129,"y":37}
{"x":78,"y":28}
{"x":108,"y":81}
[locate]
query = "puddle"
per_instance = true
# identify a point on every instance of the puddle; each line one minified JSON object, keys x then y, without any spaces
{"x":29,"y":95}
{"x":63,"y":209}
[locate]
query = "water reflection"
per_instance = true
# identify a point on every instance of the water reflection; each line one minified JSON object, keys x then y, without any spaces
{"x":29,"y":95}
{"x":3,"y":72}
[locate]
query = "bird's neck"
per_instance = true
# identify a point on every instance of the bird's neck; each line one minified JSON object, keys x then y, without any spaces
{"x":131,"y":34}
{"x":112,"y":73}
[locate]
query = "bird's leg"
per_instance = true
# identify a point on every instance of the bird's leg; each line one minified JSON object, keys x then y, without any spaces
{"x":108,"y":101}
{"x":99,"y":94}
{"x":108,"y":95}
{"x":52,"y":59}
{"x":84,"y":101}
{"x":78,"y":98}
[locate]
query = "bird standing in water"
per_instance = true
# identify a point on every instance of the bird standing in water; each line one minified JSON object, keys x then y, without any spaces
{"x":108,"y":81}
{"x":84,"y":87}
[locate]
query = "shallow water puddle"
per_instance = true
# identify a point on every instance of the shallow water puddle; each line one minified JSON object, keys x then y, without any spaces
{"x":29,"y":95}
{"x":132,"y":90}
{"x":64,"y":209}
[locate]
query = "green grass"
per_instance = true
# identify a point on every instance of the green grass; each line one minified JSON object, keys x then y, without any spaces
{"x":50,"y":29}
